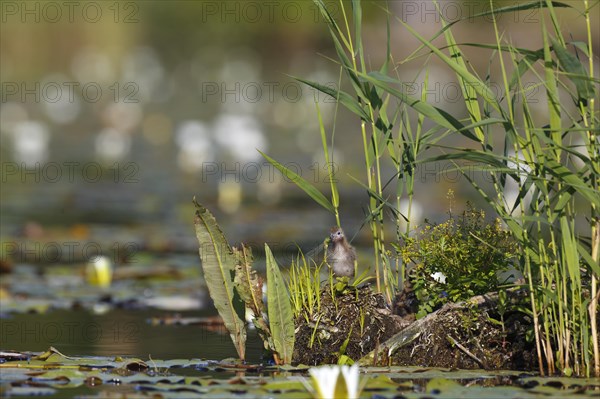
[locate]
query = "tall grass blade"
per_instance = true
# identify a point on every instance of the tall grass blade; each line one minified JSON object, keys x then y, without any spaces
{"x":551,"y":89}
{"x":469,"y":79}
{"x":335,"y":198}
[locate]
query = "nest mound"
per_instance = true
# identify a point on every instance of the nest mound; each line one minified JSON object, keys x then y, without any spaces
{"x":350,"y":323}
{"x":357,"y":323}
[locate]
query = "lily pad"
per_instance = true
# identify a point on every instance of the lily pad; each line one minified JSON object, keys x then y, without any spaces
{"x":45,"y":373}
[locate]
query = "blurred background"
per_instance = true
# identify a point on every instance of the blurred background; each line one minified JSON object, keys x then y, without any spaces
{"x":114,"y":115}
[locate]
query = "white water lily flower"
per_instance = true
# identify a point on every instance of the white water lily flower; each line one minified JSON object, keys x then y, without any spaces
{"x":324,"y":380}
{"x":352,"y":378}
{"x":335,"y":382}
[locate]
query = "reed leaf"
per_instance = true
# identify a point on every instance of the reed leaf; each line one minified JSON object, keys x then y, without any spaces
{"x":575,"y":71}
{"x":342,"y":97}
{"x":437,"y":115}
{"x":470,"y":80}
{"x":302,"y":183}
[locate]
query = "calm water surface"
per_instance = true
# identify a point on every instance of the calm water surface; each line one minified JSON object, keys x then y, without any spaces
{"x":122,"y":333}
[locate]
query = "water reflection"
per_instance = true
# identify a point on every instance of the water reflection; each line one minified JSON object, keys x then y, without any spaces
{"x":195,"y":146}
{"x":121,"y":333}
{"x":240,"y":136}
{"x":30,"y":142}
{"x":112,"y":145}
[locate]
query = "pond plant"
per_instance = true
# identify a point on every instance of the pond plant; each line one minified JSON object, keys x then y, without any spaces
{"x":554,"y":162}
{"x":234,"y":286}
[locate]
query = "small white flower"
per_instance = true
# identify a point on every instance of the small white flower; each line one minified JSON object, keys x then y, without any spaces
{"x":439,"y":277}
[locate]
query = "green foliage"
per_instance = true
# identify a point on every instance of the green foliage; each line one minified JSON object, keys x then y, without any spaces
{"x":281,"y":317}
{"x":554,"y":160}
{"x":218,"y":265}
{"x":469,"y":252}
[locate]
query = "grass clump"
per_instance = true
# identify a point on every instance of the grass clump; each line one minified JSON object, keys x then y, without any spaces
{"x":469,"y":252}
{"x":304,"y":283}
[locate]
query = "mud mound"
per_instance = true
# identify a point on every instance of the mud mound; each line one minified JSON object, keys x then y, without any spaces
{"x":351,"y":323}
{"x":471,"y":338}
{"x":357,"y":323}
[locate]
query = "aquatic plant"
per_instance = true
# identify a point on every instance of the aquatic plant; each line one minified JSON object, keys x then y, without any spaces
{"x":304,"y":282}
{"x":249,"y":285}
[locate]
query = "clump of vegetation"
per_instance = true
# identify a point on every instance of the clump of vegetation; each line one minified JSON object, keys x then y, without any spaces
{"x":457,"y":259}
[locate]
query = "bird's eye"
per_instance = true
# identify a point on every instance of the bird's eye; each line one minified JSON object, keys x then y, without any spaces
{"x":339,"y":233}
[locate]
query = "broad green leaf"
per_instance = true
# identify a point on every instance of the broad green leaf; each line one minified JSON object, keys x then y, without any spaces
{"x":302,"y":183}
{"x":281,"y":318}
{"x":250,"y":287}
{"x":218,"y":265}
{"x":246,"y":281}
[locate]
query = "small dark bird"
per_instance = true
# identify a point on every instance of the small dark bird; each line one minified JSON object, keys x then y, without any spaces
{"x":340,"y":255}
